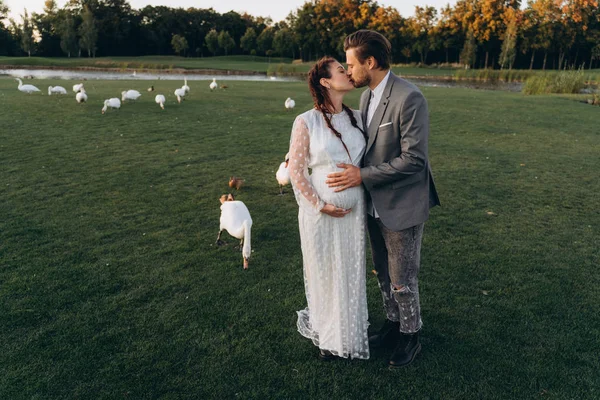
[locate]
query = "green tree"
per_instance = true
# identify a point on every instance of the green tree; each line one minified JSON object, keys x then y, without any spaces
{"x":180,"y":44}
{"x":467,"y":55}
{"x":595,"y":54}
{"x":302,"y":22}
{"x":248,"y":41}
{"x":68,"y":39}
{"x":3,"y":10}
{"x":47,"y":27}
{"x":546,"y":16}
{"x":420,"y":30}
{"x":449,"y":31}
{"x":283,"y":42}
{"x":264,"y":42}
{"x":226,"y":42}
{"x":88,"y":33}
{"x":529,"y":36}
{"x":212,"y":41}
{"x":27,"y":42}
{"x":484,"y":18}
{"x":407,"y":53}
{"x":8,"y":45}
{"x":388,"y":22}
{"x":115,"y":23}
{"x":509,"y":44}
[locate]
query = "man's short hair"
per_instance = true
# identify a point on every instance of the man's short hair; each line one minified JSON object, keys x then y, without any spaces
{"x":368,"y":43}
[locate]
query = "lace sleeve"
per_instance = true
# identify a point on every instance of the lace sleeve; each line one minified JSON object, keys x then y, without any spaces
{"x":299,"y":149}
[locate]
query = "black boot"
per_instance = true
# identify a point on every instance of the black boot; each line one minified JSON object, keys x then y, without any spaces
{"x":406,"y":350}
{"x":387,"y":335}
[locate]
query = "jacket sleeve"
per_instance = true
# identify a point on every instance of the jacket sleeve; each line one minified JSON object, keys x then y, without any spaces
{"x":414,"y":132}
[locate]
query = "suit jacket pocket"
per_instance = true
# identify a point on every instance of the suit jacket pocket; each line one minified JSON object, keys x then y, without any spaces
{"x":386,"y":135}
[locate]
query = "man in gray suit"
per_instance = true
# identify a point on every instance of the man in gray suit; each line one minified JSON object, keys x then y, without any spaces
{"x":399,"y":184}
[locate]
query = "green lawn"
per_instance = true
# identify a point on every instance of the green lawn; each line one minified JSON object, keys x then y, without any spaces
{"x":111,"y":287}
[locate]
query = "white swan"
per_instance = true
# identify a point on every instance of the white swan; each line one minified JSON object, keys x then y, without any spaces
{"x":185,"y":86}
{"x":160,"y":100}
{"x":27,"y":88}
{"x":213,"y":85}
{"x":81,"y":97}
{"x":130,"y":95}
{"x":78,"y":87}
{"x":112,"y":103}
{"x":236,"y":220}
{"x":180,"y":94}
{"x":289,"y":103}
{"x":56,"y":90}
{"x":283,"y":174}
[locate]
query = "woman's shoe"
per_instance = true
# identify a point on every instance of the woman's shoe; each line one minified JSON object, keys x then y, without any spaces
{"x":325,"y":355}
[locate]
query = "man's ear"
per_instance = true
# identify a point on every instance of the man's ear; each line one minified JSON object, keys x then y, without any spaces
{"x":371,"y":62}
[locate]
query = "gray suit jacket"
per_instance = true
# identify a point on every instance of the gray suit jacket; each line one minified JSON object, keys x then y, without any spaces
{"x":395,"y":169}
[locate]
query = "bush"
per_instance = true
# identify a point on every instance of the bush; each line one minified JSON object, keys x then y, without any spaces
{"x":539,"y":84}
{"x":560,"y":82}
{"x":281,"y":69}
{"x":495,"y":75}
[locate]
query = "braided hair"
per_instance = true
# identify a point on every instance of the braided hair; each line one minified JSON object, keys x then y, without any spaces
{"x":322,"y":100}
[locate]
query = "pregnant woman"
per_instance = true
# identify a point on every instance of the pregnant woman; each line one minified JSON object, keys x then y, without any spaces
{"x":332,"y":225}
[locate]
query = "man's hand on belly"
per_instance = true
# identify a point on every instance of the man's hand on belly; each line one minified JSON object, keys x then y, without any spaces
{"x":349,"y":177}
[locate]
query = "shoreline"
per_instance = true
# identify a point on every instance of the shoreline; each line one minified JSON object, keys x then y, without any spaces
{"x":180,"y":71}
{"x":223,"y":72}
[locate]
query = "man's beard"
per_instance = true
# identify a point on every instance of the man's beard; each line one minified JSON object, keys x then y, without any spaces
{"x":362,"y":83}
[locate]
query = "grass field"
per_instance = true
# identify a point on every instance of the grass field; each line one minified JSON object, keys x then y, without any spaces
{"x":111,"y":287}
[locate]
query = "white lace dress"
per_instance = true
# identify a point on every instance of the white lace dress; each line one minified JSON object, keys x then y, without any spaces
{"x":333,"y":249}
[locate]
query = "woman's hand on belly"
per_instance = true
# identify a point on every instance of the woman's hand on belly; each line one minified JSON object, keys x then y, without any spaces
{"x":334,"y":211}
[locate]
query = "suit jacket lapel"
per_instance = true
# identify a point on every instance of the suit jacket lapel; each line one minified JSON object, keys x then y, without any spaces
{"x":379,"y":112}
{"x":364,"y":103}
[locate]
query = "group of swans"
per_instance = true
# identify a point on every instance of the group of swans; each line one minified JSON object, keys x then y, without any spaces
{"x":80,"y":95}
{"x":133,"y":95}
{"x":115,"y":103}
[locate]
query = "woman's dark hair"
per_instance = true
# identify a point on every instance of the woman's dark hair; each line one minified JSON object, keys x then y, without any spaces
{"x":322,"y":100}
{"x":369,"y":43}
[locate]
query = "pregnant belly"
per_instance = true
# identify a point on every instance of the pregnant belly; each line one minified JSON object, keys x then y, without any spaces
{"x":344,"y":199}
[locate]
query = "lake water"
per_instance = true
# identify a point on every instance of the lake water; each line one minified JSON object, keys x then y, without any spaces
{"x":147,"y":76}
{"x":142,"y":76}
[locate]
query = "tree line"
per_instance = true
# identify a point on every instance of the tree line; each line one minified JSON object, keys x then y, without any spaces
{"x":543,"y":34}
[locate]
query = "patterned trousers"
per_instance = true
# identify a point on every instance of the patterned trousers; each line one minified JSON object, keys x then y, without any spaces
{"x":397,"y":257}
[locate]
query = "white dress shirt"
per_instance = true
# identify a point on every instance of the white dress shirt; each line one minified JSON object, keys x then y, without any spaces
{"x":376,"y":97}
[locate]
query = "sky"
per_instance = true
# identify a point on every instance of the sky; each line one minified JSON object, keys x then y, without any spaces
{"x":277,"y":10}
